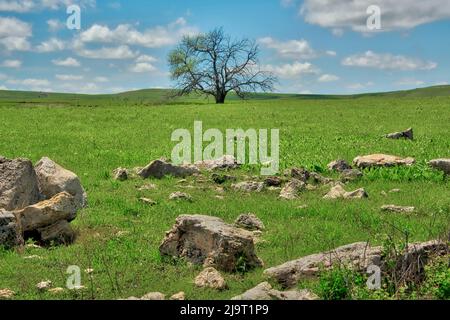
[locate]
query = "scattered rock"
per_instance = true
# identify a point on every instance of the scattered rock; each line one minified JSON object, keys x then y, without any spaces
{"x":56,"y":290}
{"x":18,"y":184}
{"x":292,"y":189}
{"x":6,"y":294}
{"x":54,"y":179}
{"x":58,"y":233}
{"x":89,"y":271}
{"x":178,"y":296}
{"x":441,"y":164}
{"x":154,"y":296}
{"x":357,"y":256}
{"x":44,"y":285}
{"x":210,"y":241}
{"x":120,"y":174}
{"x":407,"y":134}
{"x":147,"y":186}
{"x":381,"y":160}
{"x":395,"y":191}
{"x":317,"y":178}
{"x":339,"y":165}
{"x":350,"y":175}
{"x":225,"y":162}
{"x":300,"y":174}
{"x":249,"y":221}
{"x":249,"y":186}
{"x":264,"y":291}
{"x":398,"y":209}
{"x":160,"y":168}
{"x":210,"y":278}
{"x":338,"y":192}
{"x":180,"y":196}
{"x":62,"y":206}
{"x":10,"y":233}
{"x":33,"y":257}
{"x":272,"y":181}
{"x":383,"y":193}
{"x":148,"y":201}
{"x":222,"y":178}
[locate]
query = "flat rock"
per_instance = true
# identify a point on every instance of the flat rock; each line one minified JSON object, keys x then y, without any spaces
{"x":180,"y":196}
{"x":54,"y":179}
{"x":161,"y":168}
{"x":398,"y":209}
{"x":339,"y":165}
{"x":350,"y":175}
{"x":317,"y":178}
{"x":148,"y":201}
{"x":6,"y":294}
{"x":292,"y":189}
{"x":264,"y":291}
{"x":209,"y":241}
{"x":154,"y":296}
{"x":441,"y":164}
{"x":338,"y":192}
{"x":381,"y":160}
{"x":62,"y":206}
{"x":178,"y":296}
{"x":407,"y":134}
{"x":249,"y":186}
{"x":44,"y":285}
{"x":18,"y":184}
{"x":249,"y":221}
{"x":357,"y":256}
{"x":210,"y":278}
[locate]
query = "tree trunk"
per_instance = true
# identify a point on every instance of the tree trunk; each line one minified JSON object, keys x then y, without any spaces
{"x":220,"y":98}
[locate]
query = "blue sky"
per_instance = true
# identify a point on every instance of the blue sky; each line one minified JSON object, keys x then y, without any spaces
{"x":313,"y":46}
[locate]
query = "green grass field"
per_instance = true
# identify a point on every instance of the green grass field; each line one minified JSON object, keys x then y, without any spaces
{"x":92,"y":135}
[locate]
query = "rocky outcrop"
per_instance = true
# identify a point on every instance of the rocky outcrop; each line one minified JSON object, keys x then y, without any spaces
{"x":381,"y":160}
{"x":441,"y":164}
{"x":357,"y":256}
{"x":407,"y":134}
{"x":54,"y":179}
{"x":161,"y":168}
{"x":18,"y":184}
{"x":209,"y":241}
{"x":264,"y":291}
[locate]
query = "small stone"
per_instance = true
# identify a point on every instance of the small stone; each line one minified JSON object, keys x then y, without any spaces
{"x":300,"y":173}
{"x":210,"y":278}
{"x":56,"y":290}
{"x":147,"y":201}
{"x":44,"y":285}
{"x":394,"y":191}
{"x":441,"y":164}
{"x":407,"y":134}
{"x":350,"y":175}
{"x":154,"y":296}
{"x":249,"y":221}
{"x":339,"y":165}
{"x":6,"y":294}
{"x":120,"y":174}
{"x":178,"y":296}
{"x":291,"y":190}
{"x":148,"y":186}
{"x":180,"y":196}
{"x":89,"y":270}
{"x":272,"y":181}
{"x":381,"y":160}
{"x":398,"y":209}
{"x":35,"y":257}
{"x":249,"y":186}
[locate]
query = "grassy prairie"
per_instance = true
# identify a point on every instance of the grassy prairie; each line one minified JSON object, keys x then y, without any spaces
{"x":92,"y":135}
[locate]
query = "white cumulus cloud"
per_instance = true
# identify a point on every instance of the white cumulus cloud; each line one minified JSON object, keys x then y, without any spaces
{"x":68,"y":62}
{"x":291,"y":70}
{"x":328,"y":78}
{"x":14,"y":34}
{"x":12,"y":64}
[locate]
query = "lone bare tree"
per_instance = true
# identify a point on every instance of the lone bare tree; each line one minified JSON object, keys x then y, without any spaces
{"x":213,"y":64}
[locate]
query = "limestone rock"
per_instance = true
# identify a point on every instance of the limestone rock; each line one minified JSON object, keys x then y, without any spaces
{"x":300,"y":174}
{"x":154,"y":296}
{"x":178,"y":296}
{"x":272,"y":181}
{"x":6,"y":294}
{"x":225,"y":162}
{"x":58,"y":233}
{"x":264,"y":291}
{"x":339,"y":165}
{"x":222,"y":178}
{"x":350,"y":175}
{"x":441,"y":164}
{"x":61,"y":207}
{"x":398,"y":209}
{"x":160,"y":168}
{"x":54,"y":179}
{"x":317,"y":178}
{"x":291,"y":189}
{"x":407,"y":134}
{"x":18,"y":184}
{"x":249,"y":186}
{"x":180,"y":196}
{"x":210,"y":241}
{"x":249,"y":221}
{"x":210,"y":278}
{"x":338,"y":192}
{"x":44,"y":285}
{"x":148,"y":201}
{"x":381,"y":160}
{"x":120,"y":174}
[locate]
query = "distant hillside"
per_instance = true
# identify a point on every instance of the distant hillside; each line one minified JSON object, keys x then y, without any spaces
{"x":165,"y":96}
